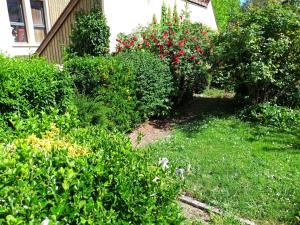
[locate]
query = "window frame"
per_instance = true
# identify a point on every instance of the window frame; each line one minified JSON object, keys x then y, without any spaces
{"x":23,"y":24}
{"x":29,"y":25}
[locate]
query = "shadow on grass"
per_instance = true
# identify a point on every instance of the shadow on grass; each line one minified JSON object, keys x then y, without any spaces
{"x":196,"y":115}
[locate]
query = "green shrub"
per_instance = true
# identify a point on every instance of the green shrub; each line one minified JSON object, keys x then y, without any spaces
{"x":90,"y":35}
{"x":110,"y":92}
{"x":272,"y":115}
{"x":103,"y":181}
{"x":260,"y":55}
{"x":32,"y":85}
{"x":153,"y":82}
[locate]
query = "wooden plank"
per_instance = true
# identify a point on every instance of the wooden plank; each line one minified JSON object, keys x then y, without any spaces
{"x":200,"y":205}
{"x":57,"y":25}
{"x":203,"y":3}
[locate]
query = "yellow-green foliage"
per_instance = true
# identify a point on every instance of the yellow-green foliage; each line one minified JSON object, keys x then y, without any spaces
{"x":49,"y":141}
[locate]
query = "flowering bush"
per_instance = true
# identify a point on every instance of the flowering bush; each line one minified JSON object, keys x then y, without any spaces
{"x":182,"y":44}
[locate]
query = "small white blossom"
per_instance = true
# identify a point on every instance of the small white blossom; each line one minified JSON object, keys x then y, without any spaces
{"x":163,"y":162}
{"x":46,"y":221}
{"x":180,"y":172}
{"x":155,"y":179}
{"x":25,"y":207}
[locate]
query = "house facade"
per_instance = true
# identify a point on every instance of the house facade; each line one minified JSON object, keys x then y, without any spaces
{"x":44,"y":26}
{"x":25,"y":23}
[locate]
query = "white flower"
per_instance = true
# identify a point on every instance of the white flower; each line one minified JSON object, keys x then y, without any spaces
{"x":180,"y":172}
{"x":155,"y":179}
{"x":46,"y":221}
{"x":163,"y":162}
{"x":25,"y":207}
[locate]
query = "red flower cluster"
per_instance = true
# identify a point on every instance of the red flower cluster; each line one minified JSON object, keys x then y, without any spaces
{"x":175,"y":44}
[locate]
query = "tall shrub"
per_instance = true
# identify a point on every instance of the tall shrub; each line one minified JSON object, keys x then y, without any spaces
{"x":106,"y":93}
{"x":153,"y":82}
{"x":260,"y":55}
{"x":90,"y":34}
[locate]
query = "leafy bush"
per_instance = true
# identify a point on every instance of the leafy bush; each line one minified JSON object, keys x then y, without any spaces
{"x":272,"y":115}
{"x":260,"y":55}
{"x":153,"y":83}
{"x":98,"y":180}
{"x":110,"y":92}
{"x":90,"y":35}
{"x":224,"y":10}
{"x":183,"y":45}
{"x":32,"y":85}
{"x":15,"y":126}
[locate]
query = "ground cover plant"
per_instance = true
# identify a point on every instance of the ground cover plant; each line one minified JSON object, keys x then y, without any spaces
{"x":245,"y":169}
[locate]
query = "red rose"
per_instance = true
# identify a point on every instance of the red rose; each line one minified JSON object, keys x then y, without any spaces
{"x":181,"y":52}
{"x":134,"y":38}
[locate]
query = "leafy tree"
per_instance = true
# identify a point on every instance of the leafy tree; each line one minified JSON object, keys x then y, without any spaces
{"x":223,"y":11}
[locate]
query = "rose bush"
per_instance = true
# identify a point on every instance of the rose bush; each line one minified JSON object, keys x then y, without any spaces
{"x":184,"y":45}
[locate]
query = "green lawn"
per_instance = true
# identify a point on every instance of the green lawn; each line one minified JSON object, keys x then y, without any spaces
{"x":247,"y":170}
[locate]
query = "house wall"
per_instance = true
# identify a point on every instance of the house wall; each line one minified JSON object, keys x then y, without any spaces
{"x":125,"y":16}
{"x":55,"y":9}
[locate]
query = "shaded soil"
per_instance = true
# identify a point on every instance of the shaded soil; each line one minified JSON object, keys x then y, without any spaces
{"x":159,"y":129}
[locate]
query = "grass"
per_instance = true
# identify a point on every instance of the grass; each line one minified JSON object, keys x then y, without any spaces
{"x":248,"y":170}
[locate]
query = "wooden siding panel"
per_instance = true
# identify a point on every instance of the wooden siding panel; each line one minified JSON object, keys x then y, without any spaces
{"x":56,"y":7}
{"x":53,"y":51}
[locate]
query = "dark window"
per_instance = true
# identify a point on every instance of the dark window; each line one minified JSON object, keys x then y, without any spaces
{"x":16,"y":17}
{"x":38,"y":18}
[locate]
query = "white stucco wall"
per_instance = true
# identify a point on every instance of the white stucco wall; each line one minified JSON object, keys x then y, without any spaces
{"x":125,"y":16}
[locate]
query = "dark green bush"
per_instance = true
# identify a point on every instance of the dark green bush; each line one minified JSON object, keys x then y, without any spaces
{"x":112,"y":184}
{"x":153,"y":82}
{"x":110,"y":92}
{"x":260,"y":55}
{"x":32,"y":85}
{"x":272,"y":115}
{"x":90,"y":35}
